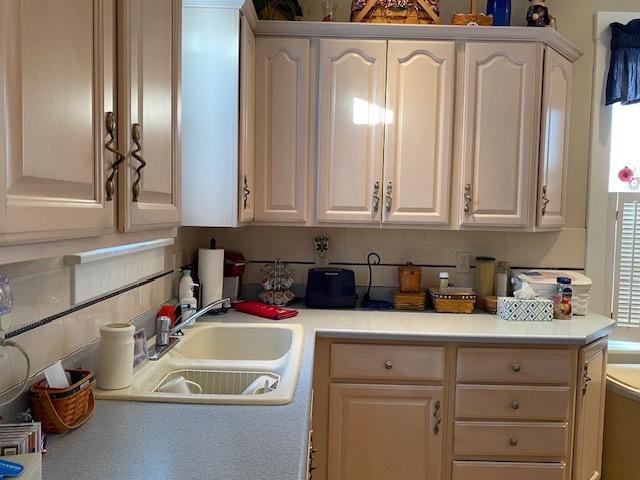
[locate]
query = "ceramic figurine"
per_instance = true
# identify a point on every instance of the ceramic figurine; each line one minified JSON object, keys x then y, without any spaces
{"x":538,"y":14}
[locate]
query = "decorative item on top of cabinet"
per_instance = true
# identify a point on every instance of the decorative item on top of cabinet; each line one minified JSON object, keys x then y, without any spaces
{"x":417,"y":138}
{"x":554,"y":144}
{"x":472,"y":19}
{"x":149,"y":107}
{"x":396,"y":11}
{"x":498,"y":134}
{"x":58,"y":103}
{"x":277,"y":9}
{"x":500,"y":10}
{"x":538,"y":14}
{"x":282,"y":129}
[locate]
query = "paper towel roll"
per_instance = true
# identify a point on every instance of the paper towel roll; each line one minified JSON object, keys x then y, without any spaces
{"x":211,"y":274}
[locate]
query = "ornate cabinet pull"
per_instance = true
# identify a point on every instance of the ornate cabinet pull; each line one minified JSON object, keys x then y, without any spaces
{"x":376,"y":197}
{"x":545,"y":200}
{"x":388,"y":198}
{"x":586,"y":379}
{"x":467,"y":198}
{"x":110,"y":125}
{"x":246,"y":193}
{"x":437,"y":420}
{"x":136,"y":136}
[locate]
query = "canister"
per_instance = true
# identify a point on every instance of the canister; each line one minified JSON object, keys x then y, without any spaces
{"x":115,"y":356}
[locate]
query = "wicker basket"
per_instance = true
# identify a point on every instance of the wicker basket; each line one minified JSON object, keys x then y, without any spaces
{"x":453,"y":300}
{"x":409,"y":12}
{"x":474,"y":18}
{"x":409,"y":301}
{"x":63,"y":409}
{"x":409,"y":278}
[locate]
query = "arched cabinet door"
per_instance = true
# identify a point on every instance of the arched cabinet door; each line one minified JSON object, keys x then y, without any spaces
{"x":282,"y":129}
{"x":351,"y":117}
{"x":499,"y":133}
{"x":554,"y":144}
{"x":57,"y":108}
{"x":418,"y":138}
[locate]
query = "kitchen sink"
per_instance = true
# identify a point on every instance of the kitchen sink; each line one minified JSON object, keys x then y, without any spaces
{"x":223,"y":360}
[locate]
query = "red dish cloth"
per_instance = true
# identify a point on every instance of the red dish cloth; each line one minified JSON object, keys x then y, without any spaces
{"x":260,"y":309}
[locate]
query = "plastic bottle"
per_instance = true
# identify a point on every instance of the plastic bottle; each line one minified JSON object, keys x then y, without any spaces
{"x":444,"y":280}
{"x":562,"y":308}
{"x":185,"y":287}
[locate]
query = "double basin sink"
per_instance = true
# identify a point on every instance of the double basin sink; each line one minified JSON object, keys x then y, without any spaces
{"x":220,"y":361}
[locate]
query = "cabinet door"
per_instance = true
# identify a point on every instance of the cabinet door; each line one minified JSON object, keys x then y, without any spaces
{"x":351,"y":130}
{"x":592,"y":385}
{"x":384,"y":432}
{"x":149,"y":100}
{"x":282,"y":129}
{"x":554,"y":144}
{"x":57,"y":64}
{"x":246,"y":152}
{"x":499,"y":134}
{"x":417,"y":146}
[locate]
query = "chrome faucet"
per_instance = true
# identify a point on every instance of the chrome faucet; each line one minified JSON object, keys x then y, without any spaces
{"x":167,"y":339}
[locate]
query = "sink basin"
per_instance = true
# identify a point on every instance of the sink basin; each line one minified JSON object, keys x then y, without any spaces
{"x":232,"y":352}
{"x":224,"y":342}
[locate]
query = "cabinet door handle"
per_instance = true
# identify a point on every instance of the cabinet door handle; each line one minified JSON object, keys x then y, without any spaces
{"x":376,"y":197}
{"x":545,"y":200}
{"x":246,"y":193}
{"x":467,"y":198}
{"x":437,"y":419}
{"x":136,"y":136}
{"x":586,"y":379}
{"x":388,"y":198}
{"x":110,"y":125}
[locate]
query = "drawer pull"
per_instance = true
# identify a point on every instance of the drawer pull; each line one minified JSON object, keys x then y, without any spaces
{"x":513,"y":441}
{"x":515,"y":404}
{"x":388,"y":365}
{"x":516,"y":368}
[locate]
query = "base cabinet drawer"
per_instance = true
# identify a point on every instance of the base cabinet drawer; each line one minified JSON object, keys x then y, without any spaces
{"x":387,"y":362}
{"x":509,"y":402}
{"x":510,"y":440}
{"x":508,"y":471}
{"x":515,"y":365}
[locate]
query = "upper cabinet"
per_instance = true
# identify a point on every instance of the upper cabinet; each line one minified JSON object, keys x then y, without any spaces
{"x":57,"y":108}
{"x":149,"y":106}
{"x":351,"y":118}
{"x":246,"y":172}
{"x":283,"y":99}
{"x":554,"y":144}
{"x":499,"y":132}
{"x":418,"y":121}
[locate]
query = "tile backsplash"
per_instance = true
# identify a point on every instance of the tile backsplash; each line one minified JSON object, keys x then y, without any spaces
{"x":435,"y":250}
{"x":42,"y":289}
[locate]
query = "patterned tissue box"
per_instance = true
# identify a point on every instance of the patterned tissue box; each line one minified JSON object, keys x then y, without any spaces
{"x":538,"y":310}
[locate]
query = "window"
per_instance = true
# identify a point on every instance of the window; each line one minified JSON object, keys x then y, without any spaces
{"x":627,"y":272}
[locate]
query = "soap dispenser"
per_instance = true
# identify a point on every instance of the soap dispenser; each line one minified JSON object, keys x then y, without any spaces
{"x":186,"y":283}
{"x":188,"y":302}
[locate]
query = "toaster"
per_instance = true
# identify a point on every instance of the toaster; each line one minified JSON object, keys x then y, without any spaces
{"x":331,"y":288}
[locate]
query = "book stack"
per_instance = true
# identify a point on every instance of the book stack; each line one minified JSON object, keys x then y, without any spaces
{"x":20,"y":438}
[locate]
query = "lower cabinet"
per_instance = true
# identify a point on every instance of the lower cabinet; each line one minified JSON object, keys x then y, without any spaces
{"x":457,"y":412}
{"x":379,"y":432}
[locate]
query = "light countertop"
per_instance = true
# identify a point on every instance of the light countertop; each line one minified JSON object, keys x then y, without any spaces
{"x":141,"y":440}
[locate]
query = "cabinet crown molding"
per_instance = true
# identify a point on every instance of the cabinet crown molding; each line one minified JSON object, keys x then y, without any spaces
{"x":546,"y":36}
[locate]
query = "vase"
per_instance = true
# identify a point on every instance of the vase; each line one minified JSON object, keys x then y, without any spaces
{"x":501,"y":11}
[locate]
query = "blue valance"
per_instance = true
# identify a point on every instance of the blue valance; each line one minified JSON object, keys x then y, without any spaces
{"x":623,"y":82}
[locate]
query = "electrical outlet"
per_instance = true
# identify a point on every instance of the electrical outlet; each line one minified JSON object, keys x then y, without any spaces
{"x":463,"y":262}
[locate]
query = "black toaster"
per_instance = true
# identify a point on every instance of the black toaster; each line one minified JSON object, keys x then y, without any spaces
{"x":331,"y":288}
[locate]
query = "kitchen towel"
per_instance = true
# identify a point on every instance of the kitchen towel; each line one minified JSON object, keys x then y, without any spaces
{"x":260,"y":309}
{"x":210,"y":274}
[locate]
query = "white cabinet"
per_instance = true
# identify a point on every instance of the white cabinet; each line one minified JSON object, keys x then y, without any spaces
{"x":246,"y":166}
{"x":282,"y":129}
{"x":418,"y":138}
{"x":498,"y":133}
{"x":554,"y":143}
{"x":57,"y":63}
{"x":351,"y":121}
{"x":149,"y":106}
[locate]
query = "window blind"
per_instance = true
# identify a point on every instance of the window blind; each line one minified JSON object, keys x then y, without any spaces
{"x":627,"y":281}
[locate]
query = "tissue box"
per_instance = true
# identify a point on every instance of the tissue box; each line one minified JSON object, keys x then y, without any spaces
{"x":538,"y":310}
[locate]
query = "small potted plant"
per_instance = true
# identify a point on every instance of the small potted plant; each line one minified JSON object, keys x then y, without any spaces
{"x":278,"y":9}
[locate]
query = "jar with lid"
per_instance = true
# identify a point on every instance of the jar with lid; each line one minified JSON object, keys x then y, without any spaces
{"x":484,"y":278}
{"x":502,"y":280}
{"x":444,"y":280}
{"x":562,"y":308}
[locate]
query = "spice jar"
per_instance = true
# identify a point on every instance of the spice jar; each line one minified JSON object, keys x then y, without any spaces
{"x":484,"y":276}
{"x":562,"y":308}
